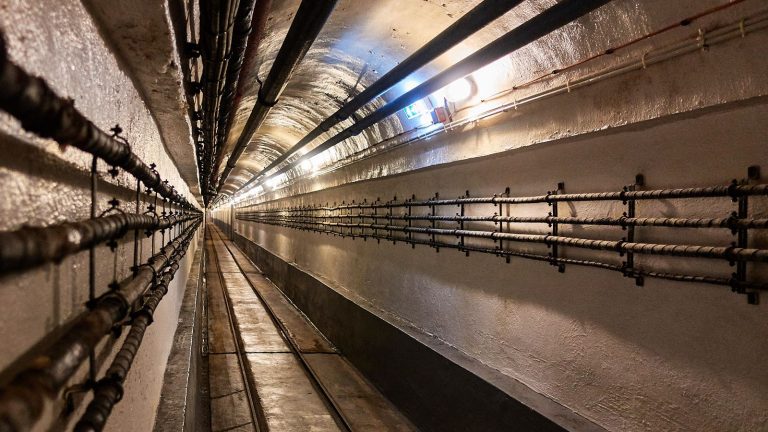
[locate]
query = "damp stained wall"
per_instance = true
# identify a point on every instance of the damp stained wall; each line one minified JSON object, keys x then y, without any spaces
{"x":43,"y":184}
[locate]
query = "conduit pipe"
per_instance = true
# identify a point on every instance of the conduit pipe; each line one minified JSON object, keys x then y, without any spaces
{"x":306,"y":25}
{"x":29,"y":247}
{"x":472,"y":21}
{"x":624,"y":221}
{"x":216,"y":49}
{"x":692,"y":251}
{"x":246,"y":41}
{"x":41,"y":111}
{"x":109,"y":390}
{"x":739,"y":29}
{"x":546,"y":22}
{"x":24,"y":398}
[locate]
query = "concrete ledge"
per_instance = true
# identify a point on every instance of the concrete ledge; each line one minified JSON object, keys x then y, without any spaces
{"x":436,"y":392}
{"x":181,"y":406}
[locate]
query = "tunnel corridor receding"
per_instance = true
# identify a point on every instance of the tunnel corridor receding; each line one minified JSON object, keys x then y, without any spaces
{"x":459,"y":215}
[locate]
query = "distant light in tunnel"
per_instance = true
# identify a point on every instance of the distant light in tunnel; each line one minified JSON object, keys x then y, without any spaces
{"x":307,"y":165}
{"x":458,"y":90}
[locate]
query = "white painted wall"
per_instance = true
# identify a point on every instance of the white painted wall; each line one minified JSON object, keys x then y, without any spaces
{"x":667,"y":356}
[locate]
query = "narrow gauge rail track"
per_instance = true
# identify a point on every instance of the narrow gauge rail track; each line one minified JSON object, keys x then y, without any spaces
{"x":257,"y":413}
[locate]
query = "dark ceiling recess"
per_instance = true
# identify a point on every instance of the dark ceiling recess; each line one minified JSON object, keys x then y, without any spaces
{"x":309,"y":20}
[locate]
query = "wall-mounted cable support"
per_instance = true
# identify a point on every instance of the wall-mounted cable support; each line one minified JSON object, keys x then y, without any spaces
{"x":24,"y":398}
{"x":473,"y":229}
{"x":108,"y":391}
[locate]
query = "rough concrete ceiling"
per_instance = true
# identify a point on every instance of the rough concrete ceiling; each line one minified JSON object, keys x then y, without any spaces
{"x":365,"y":38}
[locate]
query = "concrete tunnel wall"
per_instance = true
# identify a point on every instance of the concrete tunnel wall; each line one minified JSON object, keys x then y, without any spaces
{"x":44,"y":184}
{"x":666,"y":356}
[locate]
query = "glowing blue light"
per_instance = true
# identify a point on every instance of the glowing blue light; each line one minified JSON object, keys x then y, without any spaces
{"x":416,"y":109}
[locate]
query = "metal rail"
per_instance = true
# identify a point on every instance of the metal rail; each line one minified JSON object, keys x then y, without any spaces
{"x":258,"y":418}
{"x":333,"y":406}
{"x":24,"y":398}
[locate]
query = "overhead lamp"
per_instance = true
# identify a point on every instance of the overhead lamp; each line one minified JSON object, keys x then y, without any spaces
{"x":458,"y":90}
{"x":307,"y":165}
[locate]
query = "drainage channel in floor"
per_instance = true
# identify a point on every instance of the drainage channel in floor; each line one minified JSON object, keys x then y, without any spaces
{"x":269,"y":368}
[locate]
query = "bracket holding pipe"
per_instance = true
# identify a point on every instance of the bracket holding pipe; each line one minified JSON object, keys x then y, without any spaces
{"x":628,"y":266}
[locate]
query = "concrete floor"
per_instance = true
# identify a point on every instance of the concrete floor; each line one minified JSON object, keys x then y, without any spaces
{"x":256,"y":375}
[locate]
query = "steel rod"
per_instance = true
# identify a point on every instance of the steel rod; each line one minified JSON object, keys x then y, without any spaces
{"x":29,"y":247}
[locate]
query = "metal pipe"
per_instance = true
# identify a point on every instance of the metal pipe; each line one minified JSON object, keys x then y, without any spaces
{"x":245,"y":58}
{"x":729,"y":223}
{"x":216,"y":49}
{"x":469,"y":23}
{"x":41,"y":111}
{"x":306,"y":25}
{"x":692,"y":251}
{"x":739,"y":29}
{"x":546,"y":22}
{"x":29,"y":247}
{"x":109,"y":390}
{"x":23,"y":399}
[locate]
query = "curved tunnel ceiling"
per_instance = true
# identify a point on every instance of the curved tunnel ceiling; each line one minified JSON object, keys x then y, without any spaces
{"x":362,"y":40}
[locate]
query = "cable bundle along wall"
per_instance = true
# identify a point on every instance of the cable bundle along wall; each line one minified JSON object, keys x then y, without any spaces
{"x":472,"y":229}
{"x":22,"y":401}
{"x":52,"y":365}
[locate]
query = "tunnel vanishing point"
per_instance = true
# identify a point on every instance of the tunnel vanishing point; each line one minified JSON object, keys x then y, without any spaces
{"x":383,"y":215}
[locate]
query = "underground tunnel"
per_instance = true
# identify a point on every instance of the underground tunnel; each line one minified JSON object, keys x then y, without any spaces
{"x":383,"y":215}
